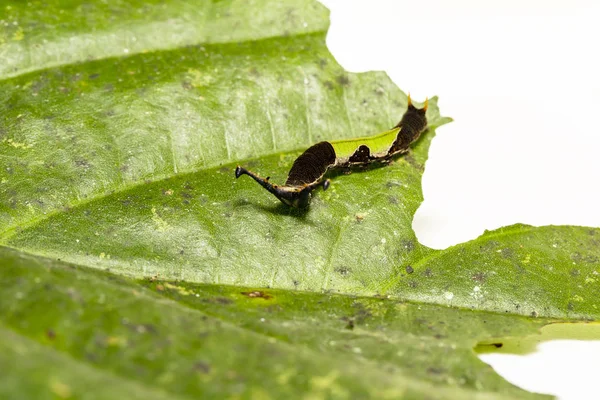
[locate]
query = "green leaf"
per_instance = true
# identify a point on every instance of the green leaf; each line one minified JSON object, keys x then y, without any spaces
{"x":115,"y":338}
{"x":120,"y":128}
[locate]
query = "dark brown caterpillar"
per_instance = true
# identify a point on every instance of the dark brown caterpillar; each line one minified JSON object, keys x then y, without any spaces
{"x":310,"y":167}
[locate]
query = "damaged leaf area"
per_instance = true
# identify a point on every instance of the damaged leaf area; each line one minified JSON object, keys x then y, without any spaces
{"x":131,"y":257}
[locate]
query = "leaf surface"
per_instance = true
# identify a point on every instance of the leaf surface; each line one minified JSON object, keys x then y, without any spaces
{"x":120,"y":128}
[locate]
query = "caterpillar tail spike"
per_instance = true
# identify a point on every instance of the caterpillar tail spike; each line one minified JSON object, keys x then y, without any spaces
{"x":293,"y":196}
{"x":310,"y":167}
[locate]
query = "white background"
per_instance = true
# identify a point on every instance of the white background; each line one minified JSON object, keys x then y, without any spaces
{"x":521,"y":80}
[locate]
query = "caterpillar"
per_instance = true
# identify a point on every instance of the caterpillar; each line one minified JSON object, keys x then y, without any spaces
{"x":310,"y":167}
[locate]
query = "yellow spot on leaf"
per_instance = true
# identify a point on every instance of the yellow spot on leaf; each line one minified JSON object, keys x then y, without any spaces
{"x":284,"y":378}
{"x":60,"y":389}
{"x":115,"y":341}
{"x":19,"y":34}
{"x":180,"y":289}
{"x":161,"y":224}
{"x":578,"y":298}
{"x":328,"y":383}
{"x":199,"y":79}
{"x":17,"y":145}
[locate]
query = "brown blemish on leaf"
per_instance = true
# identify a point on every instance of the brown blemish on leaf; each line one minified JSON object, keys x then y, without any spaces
{"x":50,"y":334}
{"x":409,"y":269}
{"x":479,"y":277}
{"x":349,"y":323}
{"x":574,"y":272}
{"x":257,"y":294}
{"x":218,"y":300}
{"x":344,"y":271}
{"x":343,"y":80}
{"x":436,"y":370}
{"x":408,"y":244}
{"x":202,"y":367}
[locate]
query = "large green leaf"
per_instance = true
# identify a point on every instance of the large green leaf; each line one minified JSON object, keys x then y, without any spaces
{"x":120,"y":127}
{"x":115,"y":338}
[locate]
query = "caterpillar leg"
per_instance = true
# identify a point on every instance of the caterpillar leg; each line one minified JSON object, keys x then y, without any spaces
{"x":294,"y":196}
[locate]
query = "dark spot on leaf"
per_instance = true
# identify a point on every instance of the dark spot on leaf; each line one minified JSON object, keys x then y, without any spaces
{"x":343,"y":80}
{"x":409,"y":269}
{"x":257,"y":294}
{"x":322,"y":63}
{"x":361,"y":314}
{"x":82,"y":163}
{"x":50,"y":334}
{"x":497,"y":345}
{"x":428,"y":273}
{"x":202,"y":366}
{"x":344,"y":271}
{"x":520,"y":269}
{"x":144,"y":328}
{"x":408,"y":244}
{"x":218,"y":300}
{"x":350,"y":323}
{"x":488,"y":246}
{"x":580,"y":258}
{"x":393,"y":200}
{"x":574,"y":272}
{"x":435,"y":370}
{"x":479,"y":277}
{"x":570,"y":306}
{"x":93,"y":76}
{"x":413,"y":284}
{"x":507,"y":253}
{"x":254,"y":72}
{"x":274,"y":308}
{"x":329,"y":85}
{"x":534,"y":314}
{"x":186,"y":85}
